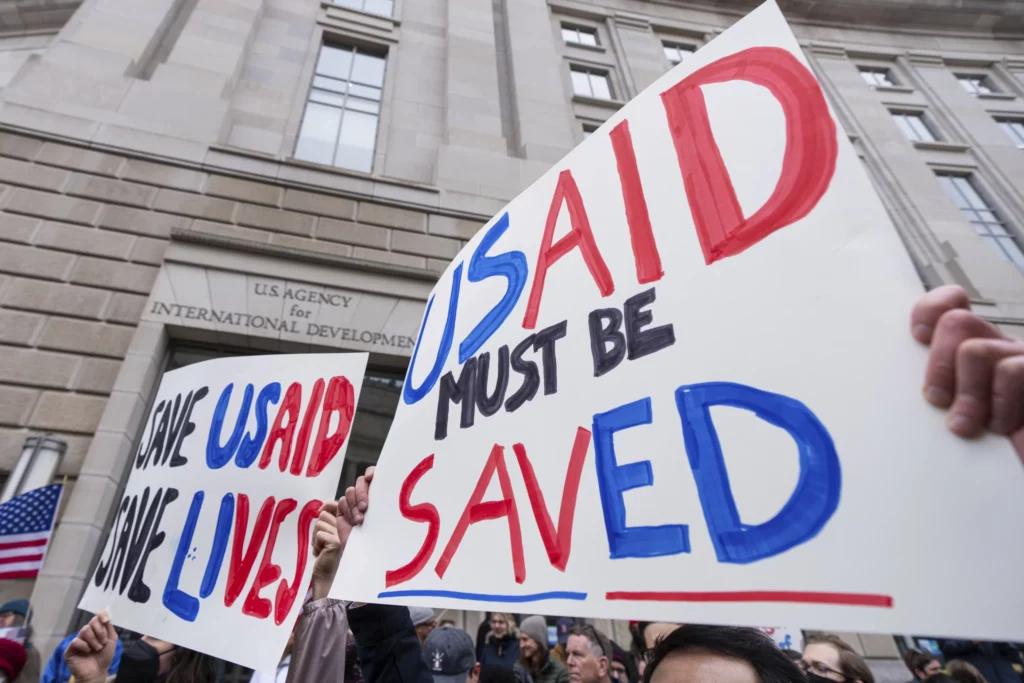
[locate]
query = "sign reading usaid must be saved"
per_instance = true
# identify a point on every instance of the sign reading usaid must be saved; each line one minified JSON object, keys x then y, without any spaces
{"x":266,"y":307}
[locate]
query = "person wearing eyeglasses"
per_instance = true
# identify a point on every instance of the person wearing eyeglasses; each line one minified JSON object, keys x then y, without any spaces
{"x":828,"y":659}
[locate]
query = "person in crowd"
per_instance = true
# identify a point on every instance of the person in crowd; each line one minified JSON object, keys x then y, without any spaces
{"x":424,"y":621}
{"x":964,"y":672}
{"x":143,"y":660}
{"x":795,"y":655}
{"x":588,"y":655}
{"x":908,"y":659}
{"x":829,"y":658}
{"x":12,"y":660}
{"x":562,"y":628}
{"x":14,"y":613}
{"x":481,"y":635}
{"x":719,"y":653}
{"x":924,"y":665}
{"x":993,"y":660}
{"x":450,"y":654}
{"x":646,"y":635}
{"x":533,"y":653}
{"x":622,"y":666}
{"x":57,"y":670}
{"x":446,"y":622}
{"x":502,"y":646}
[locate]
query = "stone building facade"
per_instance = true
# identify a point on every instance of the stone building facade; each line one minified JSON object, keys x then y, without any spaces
{"x":165,"y":164}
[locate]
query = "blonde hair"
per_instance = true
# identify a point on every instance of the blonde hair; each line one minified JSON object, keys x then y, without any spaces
{"x":508,"y":619}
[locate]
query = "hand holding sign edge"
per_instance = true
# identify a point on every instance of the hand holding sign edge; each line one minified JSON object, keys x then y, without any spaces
{"x":974,"y":370}
{"x":89,"y":655}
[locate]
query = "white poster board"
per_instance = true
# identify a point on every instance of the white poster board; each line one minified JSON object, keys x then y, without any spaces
{"x":674,"y":381}
{"x":209,"y":547}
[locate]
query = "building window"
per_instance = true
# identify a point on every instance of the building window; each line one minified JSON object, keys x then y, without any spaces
{"x":382,"y":7}
{"x":677,"y":52}
{"x":590,"y":83}
{"x":588,"y":128}
{"x":977,"y":84}
{"x":1014,"y":128}
{"x":913,"y":126}
{"x":339,"y":127}
{"x":983,"y":217}
{"x":575,"y":35}
{"x":877,"y":77}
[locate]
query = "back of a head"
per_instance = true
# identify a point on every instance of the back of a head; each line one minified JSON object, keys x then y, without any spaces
{"x":733,"y":643}
{"x":449,"y":654}
{"x":964,"y":672}
{"x":189,"y":666}
{"x":851,"y":664}
{"x":496,"y":673}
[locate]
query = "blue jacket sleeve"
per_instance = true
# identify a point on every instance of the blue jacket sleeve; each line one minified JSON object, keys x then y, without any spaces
{"x":56,"y":670}
{"x":389,"y":650}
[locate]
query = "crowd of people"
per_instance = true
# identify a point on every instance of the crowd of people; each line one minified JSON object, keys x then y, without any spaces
{"x":369,"y":643}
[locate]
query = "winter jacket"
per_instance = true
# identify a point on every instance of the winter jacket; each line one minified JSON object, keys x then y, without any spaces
{"x":57,"y":670}
{"x":994,"y":660}
{"x":501,"y":651}
{"x":553,"y":671}
{"x":389,"y":651}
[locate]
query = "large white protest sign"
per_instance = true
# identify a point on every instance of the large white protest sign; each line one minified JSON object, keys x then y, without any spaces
{"x":674,"y":380}
{"x":209,"y":548}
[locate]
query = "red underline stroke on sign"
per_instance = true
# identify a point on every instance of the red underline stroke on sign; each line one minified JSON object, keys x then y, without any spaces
{"x":811,"y":597}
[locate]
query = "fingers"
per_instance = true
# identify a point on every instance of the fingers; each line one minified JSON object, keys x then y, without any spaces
{"x":368,"y":474}
{"x":930,"y":308}
{"x":94,"y":635}
{"x":325,"y":534}
{"x":363,"y":491}
{"x":344,"y":512}
{"x":953,"y":328}
{"x":105,"y":620}
{"x":1008,"y":396}
{"x":974,"y":407}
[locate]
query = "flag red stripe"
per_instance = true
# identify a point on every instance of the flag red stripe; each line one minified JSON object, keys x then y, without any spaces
{"x":20,"y":558}
{"x":23,"y":574}
{"x":24,"y":544}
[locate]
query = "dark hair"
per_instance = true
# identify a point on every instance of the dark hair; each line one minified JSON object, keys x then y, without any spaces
{"x":851,"y":664}
{"x":908,"y":657}
{"x":189,"y":666}
{"x":920,"y":660}
{"x":940,"y":678}
{"x":746,"y":644}
{"x":964,"y":672}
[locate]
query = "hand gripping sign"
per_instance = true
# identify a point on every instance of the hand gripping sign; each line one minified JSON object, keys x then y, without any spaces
{"x":673,"y":380}
{"x":209,"y":547}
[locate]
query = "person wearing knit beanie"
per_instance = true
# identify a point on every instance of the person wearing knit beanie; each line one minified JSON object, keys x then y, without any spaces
{"x":534,"y":655}
{"x":537,"y":628}
{"x":12,"y":658}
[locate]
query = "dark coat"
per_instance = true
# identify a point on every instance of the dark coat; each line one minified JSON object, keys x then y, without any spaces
{"x":504,"y":651}
{"x":994,"y":660}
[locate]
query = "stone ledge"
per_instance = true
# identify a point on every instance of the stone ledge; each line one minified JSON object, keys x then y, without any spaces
{"x":204,"y":238}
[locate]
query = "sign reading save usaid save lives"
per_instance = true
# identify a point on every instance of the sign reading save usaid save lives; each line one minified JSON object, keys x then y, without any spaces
{"x":674,"y":380}
{"x":209,"y":547}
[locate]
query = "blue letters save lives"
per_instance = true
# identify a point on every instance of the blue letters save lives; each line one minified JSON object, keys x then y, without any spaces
{"x":616,"y":335}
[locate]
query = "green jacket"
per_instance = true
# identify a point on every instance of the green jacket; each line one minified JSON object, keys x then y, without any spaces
{"x":553,"y":671}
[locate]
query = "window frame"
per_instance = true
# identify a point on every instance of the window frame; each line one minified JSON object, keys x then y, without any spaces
{"x":887,"y":72}
{"x":1013,"y":127}
{"x":590,"y":72}
{"x":579,"y":30}
{"x":983,"y":79}
{"x":995,"y":231}
{"x":933,"y":133}
{"x":680,"y":47}
{"x":354,"y":49}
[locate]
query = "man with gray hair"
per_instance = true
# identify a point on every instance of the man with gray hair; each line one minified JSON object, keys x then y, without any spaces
{"x":588,"y":655}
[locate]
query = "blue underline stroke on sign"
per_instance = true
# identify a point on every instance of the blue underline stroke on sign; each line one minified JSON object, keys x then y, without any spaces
{"x":490,"y":597}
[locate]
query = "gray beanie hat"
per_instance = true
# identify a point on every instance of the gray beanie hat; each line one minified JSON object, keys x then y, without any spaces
{"x":537,"y":629}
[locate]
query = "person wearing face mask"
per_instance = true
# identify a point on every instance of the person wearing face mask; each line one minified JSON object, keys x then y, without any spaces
{"x":829,"y":659}
{"x":143,"y":660}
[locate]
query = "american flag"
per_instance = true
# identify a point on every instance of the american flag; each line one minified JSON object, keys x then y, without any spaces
{"x":25,"y":525}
